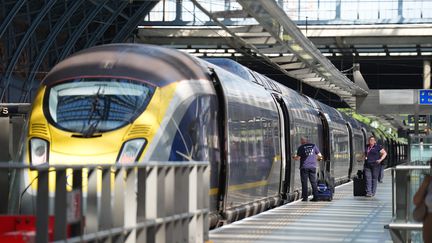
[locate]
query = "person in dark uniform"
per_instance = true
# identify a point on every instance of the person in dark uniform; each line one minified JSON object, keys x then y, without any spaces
{"x":374,"y":155}
{"x":308,"y":154}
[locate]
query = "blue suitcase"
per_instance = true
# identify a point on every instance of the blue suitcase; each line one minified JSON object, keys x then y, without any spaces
{"x":324,"y":193}
{"x":325,"y":185}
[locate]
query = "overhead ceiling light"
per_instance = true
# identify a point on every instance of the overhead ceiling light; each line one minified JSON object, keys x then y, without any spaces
{"x":403,"y":53}
{"x":272,"y":54}
{"x":372,"y":54}
{"x":219,"y":54}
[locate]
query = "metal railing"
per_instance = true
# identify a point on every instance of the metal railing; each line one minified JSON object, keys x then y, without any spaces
{"x":146,"y":202}
{"x":406,"y":179}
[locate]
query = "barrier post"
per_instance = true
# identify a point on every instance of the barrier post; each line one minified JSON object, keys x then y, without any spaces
{"x":131,"y":204}
{"x":77,"y":228}
{"x":193,"y":187}
{"x":169,"y":204}
{"x":141,"y":234}
{"x":120,"y":202}
{"x":42,"y":203}
{"x":60,"y":209}
{"x":91,"y":215}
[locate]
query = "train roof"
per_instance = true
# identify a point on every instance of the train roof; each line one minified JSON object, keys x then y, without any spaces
{"x":231,"y":66}
{"x":152,"y":64}
{"x":355,"y":124}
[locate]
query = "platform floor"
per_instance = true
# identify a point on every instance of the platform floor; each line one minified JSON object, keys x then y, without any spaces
{"x":345,"y":219}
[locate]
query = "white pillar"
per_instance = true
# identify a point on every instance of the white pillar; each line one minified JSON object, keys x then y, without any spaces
{"x":426,"y":74}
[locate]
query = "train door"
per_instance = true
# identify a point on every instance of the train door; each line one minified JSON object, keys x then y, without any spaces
{"x":220,"y":171}
{"x":285,"y":146}
{"x":351,"y":149}
{"x":365,"y":141}
{"x":364,"y":137}
{"x":326,"y":141}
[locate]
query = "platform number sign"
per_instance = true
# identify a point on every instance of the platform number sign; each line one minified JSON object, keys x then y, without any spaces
{"x":425,"y":97}
{"x":4,"y":111}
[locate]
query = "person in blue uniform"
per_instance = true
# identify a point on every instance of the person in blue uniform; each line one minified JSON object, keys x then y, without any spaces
{"x":308,"y":153}
{"x":374,"y":155}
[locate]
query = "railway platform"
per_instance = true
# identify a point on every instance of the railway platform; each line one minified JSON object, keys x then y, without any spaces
{"x":345,"y":219}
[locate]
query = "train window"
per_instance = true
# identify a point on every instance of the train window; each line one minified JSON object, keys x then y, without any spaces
{"x":94,"y":105}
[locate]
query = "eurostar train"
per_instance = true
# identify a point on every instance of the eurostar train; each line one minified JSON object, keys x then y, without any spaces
{"x":130,"y":103}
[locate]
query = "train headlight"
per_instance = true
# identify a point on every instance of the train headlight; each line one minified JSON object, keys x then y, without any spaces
{"x":131,"y":150}
{"x":38,"y":151}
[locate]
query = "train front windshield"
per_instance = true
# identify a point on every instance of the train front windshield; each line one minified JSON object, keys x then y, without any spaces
{"x":94,"y":105}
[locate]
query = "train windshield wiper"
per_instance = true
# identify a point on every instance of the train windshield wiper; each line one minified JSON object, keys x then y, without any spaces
{"x":91,"y":124}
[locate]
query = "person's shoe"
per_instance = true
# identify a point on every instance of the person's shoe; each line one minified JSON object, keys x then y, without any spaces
{"x":304,"y":200}
{"x":369,"y":195}
{"x":380,"y":181}
{"x":314,"y":199}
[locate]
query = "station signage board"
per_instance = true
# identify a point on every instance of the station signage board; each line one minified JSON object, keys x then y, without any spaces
{"x":4,"y":111}
{"x":422,"y":119}
{"x":12,"y":109}
{"x":425,"y":96}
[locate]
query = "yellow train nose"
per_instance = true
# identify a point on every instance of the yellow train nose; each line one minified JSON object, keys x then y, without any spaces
{"x":68,"y":145}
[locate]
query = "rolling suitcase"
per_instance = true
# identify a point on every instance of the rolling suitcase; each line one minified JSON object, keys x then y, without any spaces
{"x":325,"y":186}
{"x":324,"y":193}
{"x":359,"y":185}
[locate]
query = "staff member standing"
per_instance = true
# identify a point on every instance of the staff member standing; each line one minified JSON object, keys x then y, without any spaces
{"x":307,"y":153}
{"x":375,"y":154}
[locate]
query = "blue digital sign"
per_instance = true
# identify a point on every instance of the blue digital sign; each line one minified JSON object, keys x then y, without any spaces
{"x":425,"y":97}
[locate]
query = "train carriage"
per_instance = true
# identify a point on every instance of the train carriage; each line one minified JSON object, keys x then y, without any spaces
{"x":128,"y":103}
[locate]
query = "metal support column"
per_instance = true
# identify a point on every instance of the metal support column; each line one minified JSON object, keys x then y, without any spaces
{"x":4,"y":139}
{"x":179,"y":10}
{"x":426,"y":74}
{"x":400,"y":8}
{"x":338,"y":9}
{"x":4,"y":157}
{"x":428,"y":124}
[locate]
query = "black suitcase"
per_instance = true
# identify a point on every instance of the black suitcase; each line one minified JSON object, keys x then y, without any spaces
{"x":359,"y":187}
